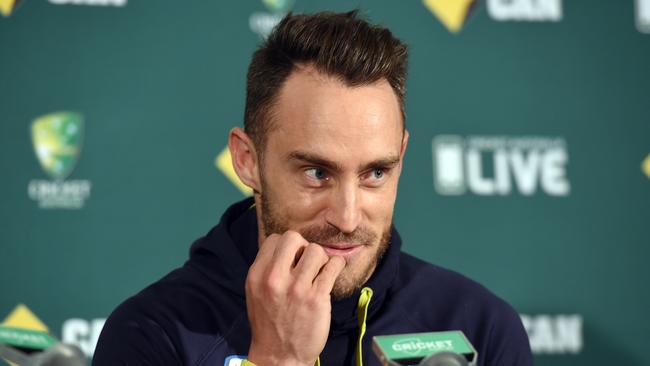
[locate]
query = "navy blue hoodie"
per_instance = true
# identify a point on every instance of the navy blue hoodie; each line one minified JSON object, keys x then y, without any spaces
{"x":196,"y":315}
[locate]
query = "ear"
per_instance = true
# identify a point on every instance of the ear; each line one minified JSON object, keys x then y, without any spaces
{"x":405,"y":142}
{"x":244,"y":158}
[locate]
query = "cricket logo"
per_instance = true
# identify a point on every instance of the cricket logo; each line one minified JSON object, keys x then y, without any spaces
{"x":57,"y":142}
{"x":405,"y":345}
{"x":418,"y":347}
{"x":278,"y":6}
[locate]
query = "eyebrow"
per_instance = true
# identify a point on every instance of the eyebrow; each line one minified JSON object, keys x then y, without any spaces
{"x":314,"y":159}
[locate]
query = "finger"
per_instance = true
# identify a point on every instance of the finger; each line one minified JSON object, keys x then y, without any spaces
{"x":324,"y":282}
{"x":311,"y":262}
{"x":289,"y":247}
{"x":266,"y":250}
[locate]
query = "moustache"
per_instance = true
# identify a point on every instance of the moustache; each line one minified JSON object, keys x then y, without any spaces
{"x":328,"y":234}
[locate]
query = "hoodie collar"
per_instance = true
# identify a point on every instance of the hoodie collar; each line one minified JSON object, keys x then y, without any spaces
{"x":227,"y":251}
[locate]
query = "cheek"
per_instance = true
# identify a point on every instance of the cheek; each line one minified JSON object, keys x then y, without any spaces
{"x":378,"y":206}
{"x":301,"y":208}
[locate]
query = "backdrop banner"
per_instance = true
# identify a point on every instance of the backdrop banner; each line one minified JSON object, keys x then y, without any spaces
{"x":528,"y":167}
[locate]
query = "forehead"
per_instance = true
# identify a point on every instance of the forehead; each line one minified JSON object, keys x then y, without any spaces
{"x":320,"y":114}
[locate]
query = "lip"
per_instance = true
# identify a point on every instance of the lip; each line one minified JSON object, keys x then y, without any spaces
{"x":344,"y":250}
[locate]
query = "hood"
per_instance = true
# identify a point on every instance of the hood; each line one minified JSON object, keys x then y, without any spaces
{"x":227,"y":251}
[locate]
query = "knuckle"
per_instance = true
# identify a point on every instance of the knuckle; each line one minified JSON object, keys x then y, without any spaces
{"x":291,"y":235}
{"x":297,"y":290}
{"x":312,"y":249}
{"x":323,"y":254}
{"x":249,"y":286}
{"x":315,"y":301}
{"x":317,"y":251}
{"x":272,"y":283}
{"x":272,"y":238}
{"x":338,"y":262}
{"x":253,"y":269}
{"x":252,"y":279}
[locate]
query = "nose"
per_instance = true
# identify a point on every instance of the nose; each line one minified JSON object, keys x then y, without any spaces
{"x":344,"y":212}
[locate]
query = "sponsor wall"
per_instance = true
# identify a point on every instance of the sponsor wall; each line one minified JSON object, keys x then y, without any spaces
{"x":528,"y":167}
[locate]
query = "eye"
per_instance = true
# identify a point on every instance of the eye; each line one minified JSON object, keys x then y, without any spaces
{"x":377,"y":173}
{"x":316,"y":173}
{"x":375,"y":177}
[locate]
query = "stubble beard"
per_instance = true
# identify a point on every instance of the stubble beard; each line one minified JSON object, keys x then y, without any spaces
{"x":353,"y":277}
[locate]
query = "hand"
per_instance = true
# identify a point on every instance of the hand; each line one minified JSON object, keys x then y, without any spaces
{"x":288,"y":300}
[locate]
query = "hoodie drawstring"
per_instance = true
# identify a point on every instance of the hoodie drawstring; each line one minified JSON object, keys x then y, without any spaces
{"x":362,"y":314}
{"x":362,"y":311}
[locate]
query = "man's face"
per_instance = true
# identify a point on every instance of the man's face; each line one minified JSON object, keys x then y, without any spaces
{"x":330,"y":169}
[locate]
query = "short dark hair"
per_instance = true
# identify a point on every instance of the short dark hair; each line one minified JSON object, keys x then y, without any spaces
{"x":338,"y":44}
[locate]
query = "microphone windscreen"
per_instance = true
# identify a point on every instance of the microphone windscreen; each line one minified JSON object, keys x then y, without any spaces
{"x":444,"y":359}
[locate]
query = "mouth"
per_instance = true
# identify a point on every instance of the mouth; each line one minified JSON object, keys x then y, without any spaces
{"x":344,"y":250}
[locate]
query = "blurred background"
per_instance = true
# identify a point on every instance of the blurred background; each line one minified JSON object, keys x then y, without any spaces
{"x":528,"y":167}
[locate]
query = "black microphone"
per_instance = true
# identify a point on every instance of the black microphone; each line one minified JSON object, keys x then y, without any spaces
{"x":449,"y":348}
{"x":26,"y":347}
{"x":444,"y":359}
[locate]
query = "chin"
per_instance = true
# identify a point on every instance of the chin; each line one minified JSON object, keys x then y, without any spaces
{"x":347,"y":283}
{"x":339,"y":293}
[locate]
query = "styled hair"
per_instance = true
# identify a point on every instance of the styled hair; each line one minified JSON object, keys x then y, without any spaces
{"x":337,"y":44}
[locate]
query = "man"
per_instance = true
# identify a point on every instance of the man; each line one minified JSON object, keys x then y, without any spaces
{"x":298,"y":274}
